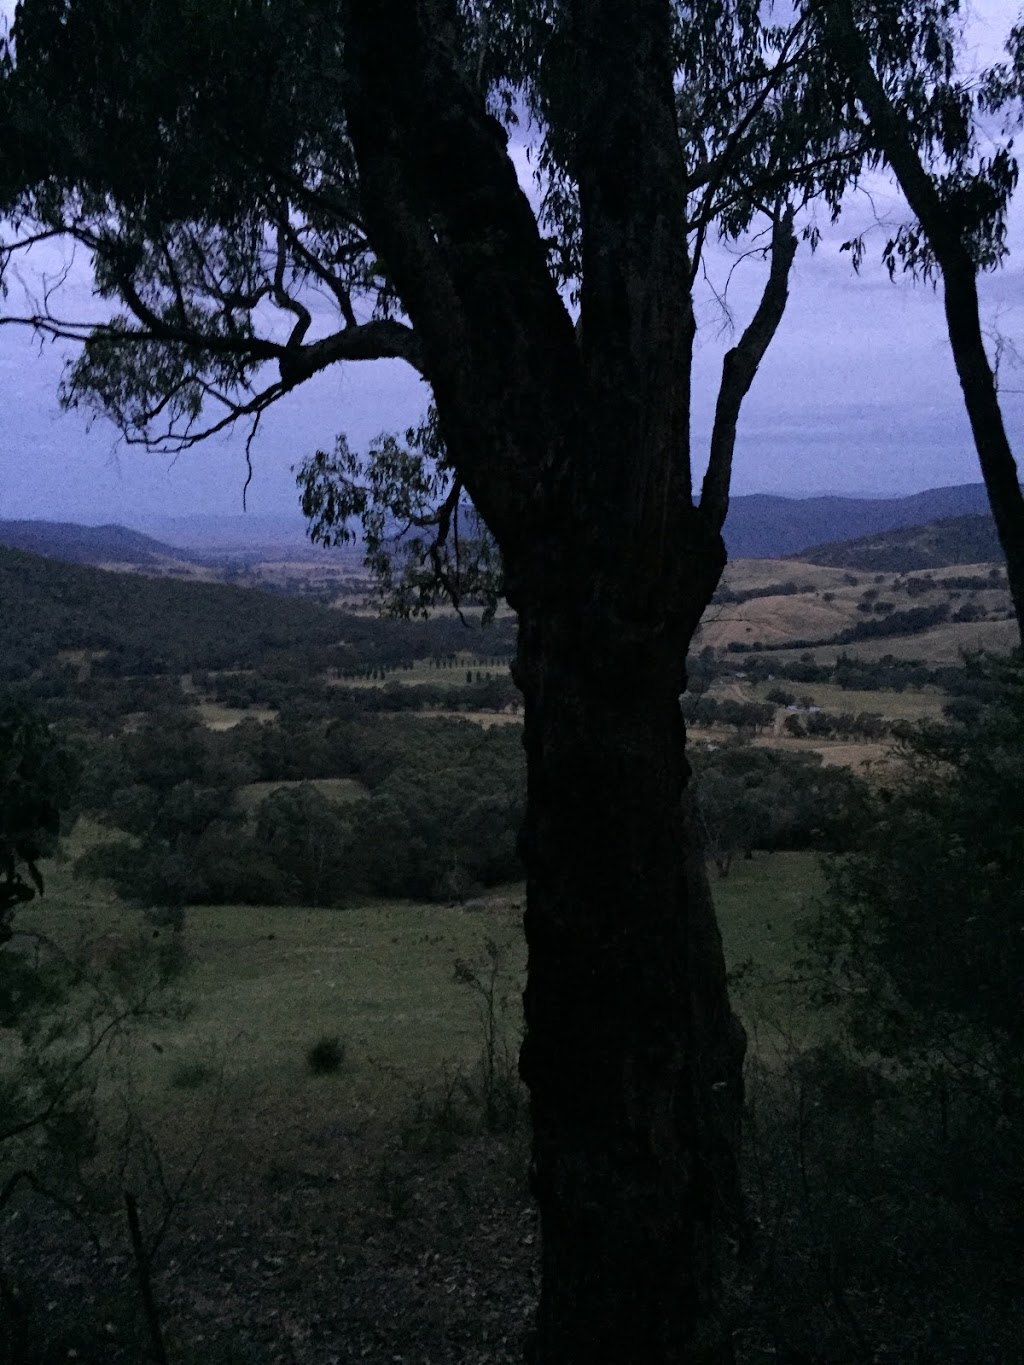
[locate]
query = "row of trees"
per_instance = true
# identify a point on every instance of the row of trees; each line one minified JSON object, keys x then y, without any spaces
{"x":891,"y":622}
{"x":479,"y":692}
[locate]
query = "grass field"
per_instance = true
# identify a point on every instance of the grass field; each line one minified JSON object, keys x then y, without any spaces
{"x":374,"y":1189}
{"x":266,"y":983}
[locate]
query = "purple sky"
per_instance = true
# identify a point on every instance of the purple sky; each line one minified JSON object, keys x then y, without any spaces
{"x":858,"y":394}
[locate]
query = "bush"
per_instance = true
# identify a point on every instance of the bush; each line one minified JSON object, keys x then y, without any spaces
{"x":923,"y":923}
{"x":780,"y":696}
{"x":902,"y":1153}
{"x":326,"y":1056}
{"x":190,"y":1076}
{"x":883,"y":1223}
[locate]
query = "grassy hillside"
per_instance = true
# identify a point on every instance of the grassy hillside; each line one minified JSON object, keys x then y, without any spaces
{"x":268,"y":981}
{"x":50,"y":606}
{"x":781,"y":604}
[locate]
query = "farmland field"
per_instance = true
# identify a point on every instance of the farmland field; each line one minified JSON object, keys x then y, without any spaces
{"x":910,"y":704}
{"x":315,"y":1078}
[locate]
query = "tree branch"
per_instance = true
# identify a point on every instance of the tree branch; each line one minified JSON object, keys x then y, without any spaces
{"x":714,"y":171}
{"x":740,"y":366}
{"x":443,"y":204}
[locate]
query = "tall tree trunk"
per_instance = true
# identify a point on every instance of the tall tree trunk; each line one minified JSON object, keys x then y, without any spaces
{"x":578,"y":458}
{"x":632,"y":1056}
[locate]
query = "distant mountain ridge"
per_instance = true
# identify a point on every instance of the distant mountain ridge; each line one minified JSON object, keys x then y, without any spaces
{"x":75,"y":544}
{"x":952,"y":540}
{"x":759,"y":526}
{"x":763,"y":526}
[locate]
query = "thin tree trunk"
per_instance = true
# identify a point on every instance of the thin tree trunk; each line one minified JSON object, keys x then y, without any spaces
{"x":981,"y":398}
{"x":959,"y":274}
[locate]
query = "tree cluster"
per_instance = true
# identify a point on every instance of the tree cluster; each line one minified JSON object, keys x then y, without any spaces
{"x":761,"y":799}
{"x":439,"y":819}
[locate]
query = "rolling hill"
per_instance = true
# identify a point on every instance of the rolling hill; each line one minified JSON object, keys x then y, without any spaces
{"x":759,"y":526}
{"x":953,"y":540}
{"x":75,"y":544}
{"x":152,"y":625}
{"x":763,"y":526}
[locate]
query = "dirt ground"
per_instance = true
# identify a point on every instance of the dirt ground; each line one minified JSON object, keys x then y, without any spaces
{"x":345,"y":1251}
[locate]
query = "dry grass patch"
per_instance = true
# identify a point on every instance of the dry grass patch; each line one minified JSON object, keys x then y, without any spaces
{"x":945,"y":644}
{"x":217,"y":717}
{"x":743,"y":574}
{"x":772,"y":621}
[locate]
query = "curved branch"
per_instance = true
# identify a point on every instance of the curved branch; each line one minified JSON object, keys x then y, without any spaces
{"x":379,"y":339}
{"x":302,"y":315}
{"x":444,"y":206}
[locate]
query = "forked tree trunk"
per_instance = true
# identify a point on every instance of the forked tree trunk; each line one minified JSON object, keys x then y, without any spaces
{"x":632,"y":1056}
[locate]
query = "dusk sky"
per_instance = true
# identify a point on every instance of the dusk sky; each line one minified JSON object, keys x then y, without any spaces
{"x":857,"y":395}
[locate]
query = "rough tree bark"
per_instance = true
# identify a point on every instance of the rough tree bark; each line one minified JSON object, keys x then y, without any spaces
{"x":577,"y":455}
{"x":959,"y":276}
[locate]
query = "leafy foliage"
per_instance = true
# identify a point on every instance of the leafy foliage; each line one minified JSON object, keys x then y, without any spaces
{"x":305,"y":837}
{"x":751,"y":798}
{"x":62,"y":1008}
{"x":424,"y":541}
{"x":922,"y":925}
{"x":37,"y":777}
{"x":441,"y":817}
{"x":228,"y":228}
